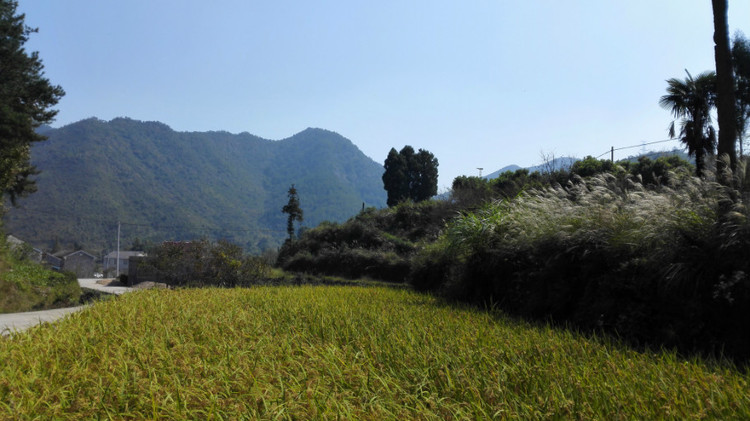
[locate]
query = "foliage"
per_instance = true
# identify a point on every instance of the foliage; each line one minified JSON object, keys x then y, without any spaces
{"x":294,"y":211}
{"x":590,"y":166}
{"x":509,"y":184}
{"x":655,"y":172}
{"x":410,"y":175}
{"x":27,"y":286}
{"x":340,"y":353}
{"x":26,"y":97}
{"x":692,"y":100}
{"x":395,"y":177}
{"x":470,"y":191}
{"x":201,"y":263}
{"x":183,"y":186}
{"x":652,"y":264}
{"x":376,"y":243}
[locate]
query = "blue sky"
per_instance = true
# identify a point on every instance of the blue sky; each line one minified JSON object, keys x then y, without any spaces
{"x":478,"y":83}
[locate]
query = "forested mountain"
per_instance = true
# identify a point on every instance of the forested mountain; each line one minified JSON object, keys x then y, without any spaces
{"x":168,"y":185}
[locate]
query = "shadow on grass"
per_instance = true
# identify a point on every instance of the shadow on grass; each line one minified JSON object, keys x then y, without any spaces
{"x":605,"y":336}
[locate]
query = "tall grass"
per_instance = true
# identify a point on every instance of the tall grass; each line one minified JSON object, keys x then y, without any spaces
{"x":655,"y":264}
{"x":614,"y":213}
{"x":343,"y":353}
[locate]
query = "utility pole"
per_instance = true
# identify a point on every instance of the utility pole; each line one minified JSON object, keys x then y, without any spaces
{"x":612,"y":156}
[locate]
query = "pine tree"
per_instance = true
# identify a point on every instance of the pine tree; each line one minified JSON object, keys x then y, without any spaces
{"x":25,"y":100}
{"x":292,"y":208}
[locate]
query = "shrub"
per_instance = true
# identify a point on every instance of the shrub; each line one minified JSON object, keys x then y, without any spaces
{"x":376,"y":244}
{"x":202,"y":263}
{"x":27,"y":286}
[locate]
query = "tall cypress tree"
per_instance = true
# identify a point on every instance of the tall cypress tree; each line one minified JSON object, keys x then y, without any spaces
{"x":425,"y":176}
{"x":410,"y":175}
{"x":293,"y":209}
{"x":395,"y":178}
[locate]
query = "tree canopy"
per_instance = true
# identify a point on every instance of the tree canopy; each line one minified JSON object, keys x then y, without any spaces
{"x":26,"y":97}
{"x":691,"y":100}
{"x":410,"y":175}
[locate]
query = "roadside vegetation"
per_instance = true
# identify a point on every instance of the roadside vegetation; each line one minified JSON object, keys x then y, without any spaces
{"x":639,"y":250}
{"x":654,"y":264}
{"x":28,"y":286}
{"x":341,"y":352}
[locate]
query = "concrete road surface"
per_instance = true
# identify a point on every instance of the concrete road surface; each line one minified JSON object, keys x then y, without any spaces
{"x":92,"y":284}
{"x":20,"y":321}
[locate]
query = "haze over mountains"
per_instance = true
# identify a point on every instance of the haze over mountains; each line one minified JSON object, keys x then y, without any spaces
{"x":167,"y":185}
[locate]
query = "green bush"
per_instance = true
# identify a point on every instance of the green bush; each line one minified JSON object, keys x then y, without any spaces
{"x":376,"y":243}
{"x":202,"y":263}
{"x":352,"y":264}
{"x":656,"y":172}
{"x":27,"y":286}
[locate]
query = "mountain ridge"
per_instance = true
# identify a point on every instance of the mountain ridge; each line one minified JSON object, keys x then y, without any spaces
{"x":181,"y":185}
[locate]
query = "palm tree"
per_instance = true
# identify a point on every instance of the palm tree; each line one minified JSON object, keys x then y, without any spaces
{"x":692,"y":99}
{"x":726,"y":108}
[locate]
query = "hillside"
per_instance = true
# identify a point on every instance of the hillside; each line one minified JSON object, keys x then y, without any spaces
{"x":168,"y":185}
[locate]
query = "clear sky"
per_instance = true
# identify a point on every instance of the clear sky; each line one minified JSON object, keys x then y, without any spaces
{"x":479,"y":83}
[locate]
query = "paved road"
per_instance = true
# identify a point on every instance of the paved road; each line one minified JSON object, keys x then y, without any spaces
{"x":92,"y":284}
{"x":20,"y":321}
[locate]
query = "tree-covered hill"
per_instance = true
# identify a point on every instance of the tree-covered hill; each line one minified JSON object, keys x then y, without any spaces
{"x":168,"y":185}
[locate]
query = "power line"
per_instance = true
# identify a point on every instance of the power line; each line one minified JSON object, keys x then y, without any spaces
{"x":635,"y":146}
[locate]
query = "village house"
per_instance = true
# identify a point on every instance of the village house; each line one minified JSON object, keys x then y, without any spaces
{"x":79,"y":262}
{"x":17,"y":245}
{"x":110,"y":262}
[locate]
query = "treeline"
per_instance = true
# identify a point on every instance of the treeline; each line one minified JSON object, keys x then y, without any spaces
{"x":200,"y":263}
{"x":638,"y":249}
{"x":381,"y":243}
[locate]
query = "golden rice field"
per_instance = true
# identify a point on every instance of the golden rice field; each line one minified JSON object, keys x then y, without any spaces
{"x":340,"y":353}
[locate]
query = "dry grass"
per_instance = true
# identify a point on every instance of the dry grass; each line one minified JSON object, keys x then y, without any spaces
{"x":620,"y":215}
